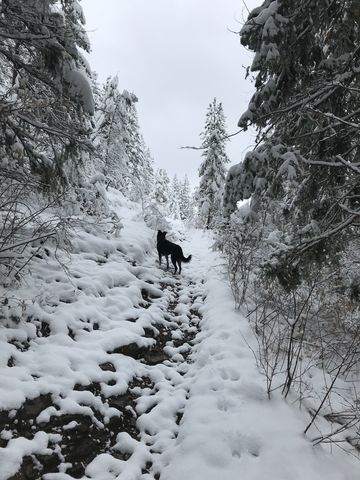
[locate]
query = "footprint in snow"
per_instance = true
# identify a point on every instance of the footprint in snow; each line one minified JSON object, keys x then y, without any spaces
{"x":244,"y":444}
{"x":224,"y":335}
{"x":225,"y":404}
{"x":229,"y":373}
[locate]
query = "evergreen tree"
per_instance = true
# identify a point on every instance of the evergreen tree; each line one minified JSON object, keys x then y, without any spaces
{"x":185,"y":200}
{"x":212,"y":170}
{"x":140,"y":173}
{"x":305,"y":171}
{"x":45,"y":93}
{"x":46,"y":108}
{"x":161,"y":193}
{"x":109,"y":132}
{"x":174,"y":206}
{"x":121,"y":153}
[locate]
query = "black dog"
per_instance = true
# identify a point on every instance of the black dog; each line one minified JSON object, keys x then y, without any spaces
{"x":164,"y":247}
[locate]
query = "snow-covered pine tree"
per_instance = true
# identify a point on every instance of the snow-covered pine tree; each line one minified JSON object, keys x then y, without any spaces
{"x":175,"y":193}
{"x":139,"y":161}
{"x":45,"y":92}
{"x":108,"y":136}
{"x":46,"y":106}
{"x":306,"y":168}
{"x":186,"y":210}
{"x":161,"y":192}
{"x":212,"y":170}
{"x":148,"y":171}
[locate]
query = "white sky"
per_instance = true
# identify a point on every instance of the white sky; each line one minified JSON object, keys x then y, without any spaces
{"x":176,"y":56}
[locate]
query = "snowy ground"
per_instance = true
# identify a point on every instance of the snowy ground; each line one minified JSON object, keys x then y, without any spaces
{"x":112,"y":368}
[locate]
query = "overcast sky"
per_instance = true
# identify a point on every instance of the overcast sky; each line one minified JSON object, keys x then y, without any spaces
{"x":176,"y":56}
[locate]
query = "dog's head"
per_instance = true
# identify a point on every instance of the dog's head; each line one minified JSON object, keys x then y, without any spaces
{"x":161,"y":234}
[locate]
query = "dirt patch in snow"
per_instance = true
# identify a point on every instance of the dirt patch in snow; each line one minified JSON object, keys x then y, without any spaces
{"x":77,"y":439}
{"x":82,"y":438}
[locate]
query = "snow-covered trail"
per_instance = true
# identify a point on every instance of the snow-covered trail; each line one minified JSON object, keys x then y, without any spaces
{"x":230,"y":429}
{"x":114,"y":369}
{"x":93,"y":357}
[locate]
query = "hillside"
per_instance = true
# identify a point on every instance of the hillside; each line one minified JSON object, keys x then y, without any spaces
{"x":113,"y":368}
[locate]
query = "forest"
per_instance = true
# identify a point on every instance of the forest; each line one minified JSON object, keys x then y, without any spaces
{"x":112,"y":367}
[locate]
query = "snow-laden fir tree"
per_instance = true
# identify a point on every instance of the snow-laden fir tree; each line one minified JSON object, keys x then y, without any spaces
{"x":45,"y":92}
{"x":140,"y":172}
{"x":46,"y":106}
{"x":212,"y":170}
{"x":174,"y":205}
{"x":185,"y":204}
{"x":121,"y":154}
{"x":108,"y":137}
{"x":161,"y":192}
{"x":305,"y":172}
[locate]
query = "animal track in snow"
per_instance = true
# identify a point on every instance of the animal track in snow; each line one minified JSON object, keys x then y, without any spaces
{"x":229,"y":373}
{"x":244,"y":445}
{"x":219,"y":356}
{"x":225,"y":404}
{"x":224,"y":335}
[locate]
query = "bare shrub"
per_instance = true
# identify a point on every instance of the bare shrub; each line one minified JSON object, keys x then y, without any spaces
{"x":240,"y":247}
{"x":280,"y":321}
{"x":24,"y":221}
{"x":312,"y":326}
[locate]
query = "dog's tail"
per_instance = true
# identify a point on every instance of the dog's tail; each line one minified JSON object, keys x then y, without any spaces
{"x":186,"y":260}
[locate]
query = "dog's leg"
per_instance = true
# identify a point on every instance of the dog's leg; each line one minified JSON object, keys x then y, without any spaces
{"x":167,"y":262}
{"x":179,"y":266}
{"x":160,"y":256}
{"x":173,"y":259}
